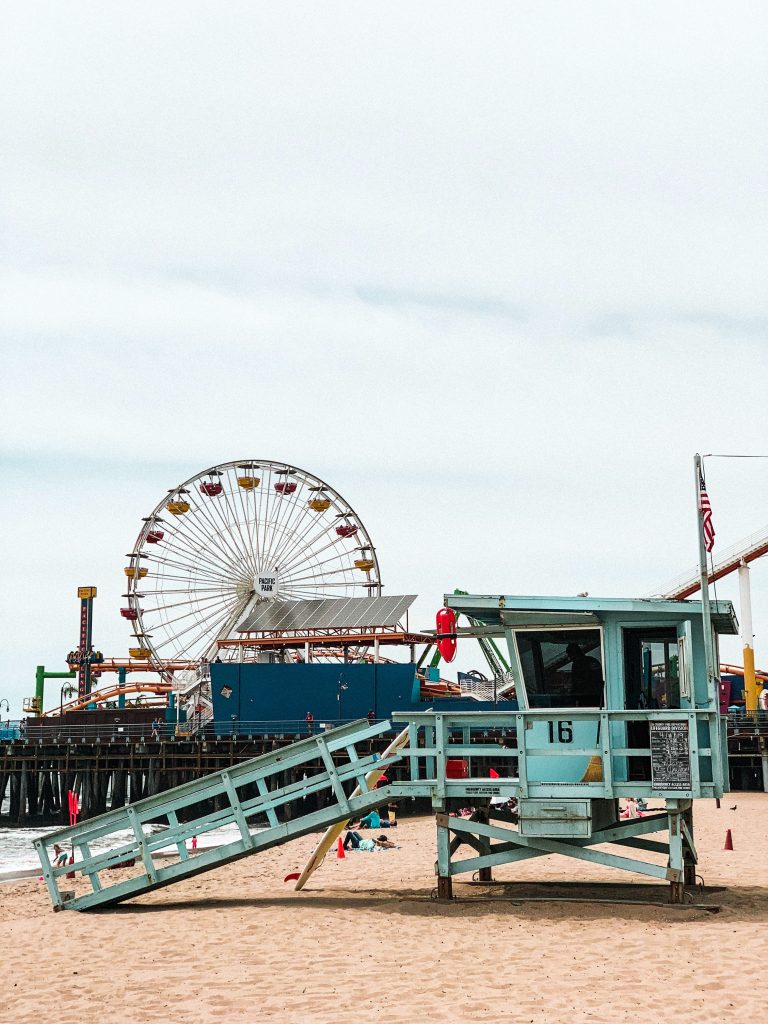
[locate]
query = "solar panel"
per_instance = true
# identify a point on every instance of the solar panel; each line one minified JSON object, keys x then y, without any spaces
{"x":330,"y":613}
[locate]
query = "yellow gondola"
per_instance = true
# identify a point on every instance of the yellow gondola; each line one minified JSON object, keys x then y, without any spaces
{"x":365,"y":564}
{"x":177,"y":508}
{"x":136,"y":572}
{"x":248,"y":483}
{"x":320,"y":504}
{"x":139,"y":652}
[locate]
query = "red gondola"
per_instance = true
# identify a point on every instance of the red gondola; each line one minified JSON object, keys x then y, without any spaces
{"x":346,"y":530}
{"x":154,"y":536}
{"x":286,"y":487}
{"x":212,"y":488}
{"x":129,"y":613}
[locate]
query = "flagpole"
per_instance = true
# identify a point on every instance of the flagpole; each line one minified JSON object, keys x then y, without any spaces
{"x":709,"y":648}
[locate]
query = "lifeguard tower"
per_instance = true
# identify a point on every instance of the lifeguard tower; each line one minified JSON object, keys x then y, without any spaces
{"x":612,"y":699}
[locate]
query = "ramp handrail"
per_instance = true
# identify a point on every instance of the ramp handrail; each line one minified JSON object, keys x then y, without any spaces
{"x":257,"y":787}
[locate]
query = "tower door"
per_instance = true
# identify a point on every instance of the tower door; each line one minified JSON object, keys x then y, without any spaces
{"x":651,"y":683}
{"x":651,"y":669}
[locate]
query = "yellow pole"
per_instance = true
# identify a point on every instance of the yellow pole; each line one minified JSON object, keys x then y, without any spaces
{"x":747,"y":637}
{"x":750,"y":685}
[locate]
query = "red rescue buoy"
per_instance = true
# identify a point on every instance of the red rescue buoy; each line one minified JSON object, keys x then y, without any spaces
{"x":445,"y":623}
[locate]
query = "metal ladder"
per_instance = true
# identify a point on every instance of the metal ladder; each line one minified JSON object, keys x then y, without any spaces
{"x":238,"y":793}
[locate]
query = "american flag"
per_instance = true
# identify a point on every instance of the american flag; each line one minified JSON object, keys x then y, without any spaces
{"x":706,"y":515}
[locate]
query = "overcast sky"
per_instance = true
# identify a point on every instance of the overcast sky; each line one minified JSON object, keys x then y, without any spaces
{"x":494,"y":271}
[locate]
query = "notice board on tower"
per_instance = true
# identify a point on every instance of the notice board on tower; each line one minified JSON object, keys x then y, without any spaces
{"x":670,"y":755}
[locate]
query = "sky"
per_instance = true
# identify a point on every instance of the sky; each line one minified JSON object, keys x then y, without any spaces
{"x":495,"y":271}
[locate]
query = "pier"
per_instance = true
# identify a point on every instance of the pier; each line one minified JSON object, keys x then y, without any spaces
{"x":108,"y":770}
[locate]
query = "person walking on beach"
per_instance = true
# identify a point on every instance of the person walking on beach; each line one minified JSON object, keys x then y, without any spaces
{"x":61,"y":856}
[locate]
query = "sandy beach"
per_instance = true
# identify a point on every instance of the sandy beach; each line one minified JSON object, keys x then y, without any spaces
{"x":364,"y":941}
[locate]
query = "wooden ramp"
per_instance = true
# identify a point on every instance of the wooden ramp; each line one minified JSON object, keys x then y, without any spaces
{"x":267,"y":793}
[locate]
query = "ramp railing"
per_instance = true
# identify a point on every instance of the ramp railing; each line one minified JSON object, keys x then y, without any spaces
{"x":265,"y":798}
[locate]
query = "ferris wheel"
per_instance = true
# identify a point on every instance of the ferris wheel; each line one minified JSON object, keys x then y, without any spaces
{"x":231,"y":536}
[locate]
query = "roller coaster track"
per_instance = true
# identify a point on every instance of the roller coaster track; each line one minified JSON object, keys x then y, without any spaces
{"x":747,"y":550}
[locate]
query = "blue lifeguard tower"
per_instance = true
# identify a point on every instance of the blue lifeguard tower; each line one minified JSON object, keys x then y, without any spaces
{"x":606,"y":699}
{"x":613,"y":699}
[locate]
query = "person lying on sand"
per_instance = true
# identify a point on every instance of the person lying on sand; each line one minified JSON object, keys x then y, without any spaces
{"x":372,"y":820}
{"x":354,"y":841}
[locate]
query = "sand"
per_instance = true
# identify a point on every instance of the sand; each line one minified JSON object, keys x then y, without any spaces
{"x":365,"y":942}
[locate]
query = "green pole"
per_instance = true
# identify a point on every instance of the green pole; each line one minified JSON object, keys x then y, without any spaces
{"x":40,"y":676}
{"x":39,"y":687}
{"x":121,"y":683}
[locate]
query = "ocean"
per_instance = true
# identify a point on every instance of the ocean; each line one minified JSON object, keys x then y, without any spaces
{"x":17,"y":852}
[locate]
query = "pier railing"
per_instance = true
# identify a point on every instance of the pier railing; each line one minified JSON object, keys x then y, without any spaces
{"x":59,"y":730}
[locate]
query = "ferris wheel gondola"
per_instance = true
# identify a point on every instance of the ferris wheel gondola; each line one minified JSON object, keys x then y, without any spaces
{"x":234,"y":535}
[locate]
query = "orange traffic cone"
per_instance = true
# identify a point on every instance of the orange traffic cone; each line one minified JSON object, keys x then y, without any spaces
{"x":340,"y":855}
{"x":728,"y":840}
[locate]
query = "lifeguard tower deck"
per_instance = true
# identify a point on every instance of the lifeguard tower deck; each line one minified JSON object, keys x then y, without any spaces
{"x":613,"y":699}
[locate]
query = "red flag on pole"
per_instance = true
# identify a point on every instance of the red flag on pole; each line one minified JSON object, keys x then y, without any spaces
{"x":74,"y":810}
{"x":705,"y":508}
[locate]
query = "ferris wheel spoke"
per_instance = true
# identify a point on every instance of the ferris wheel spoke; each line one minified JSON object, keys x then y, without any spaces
{"x":195,"y":643}
{"x":315,"y":552}
{"x":287,"y":546}
{"x":205,"y":527}
{"x":316,"y":565}
{"x":278,"y":508}
{"x":149,"y":609}
{"x":242,"y":525}
{"x":195,"y":535}
{"x":206,"y":574}
{"x":201,"y":566}
{"x":225,"y":538}
{"x":333,"y":584}
{"x":265,"y":494}
{"x":177,"y":578}
{"x":297,"y":545}
{"x":199,"y":612}
{"x":248,"y":518}
{"x":196,"y":612}
{"x":311,"y":549}
{"x":222,"y":501}
{"x":187,"y":532}
{"x":292,"y":518}
{"x":311,"y":581}
{"x":309,"y":594}
{"x":181,"y":590}
{"x":185,"y":548}
{"x":186,"y":596}
{"x":283,"y":507}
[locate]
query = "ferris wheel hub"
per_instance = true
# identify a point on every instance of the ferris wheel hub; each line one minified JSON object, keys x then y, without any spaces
{"x":267,"y":583}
